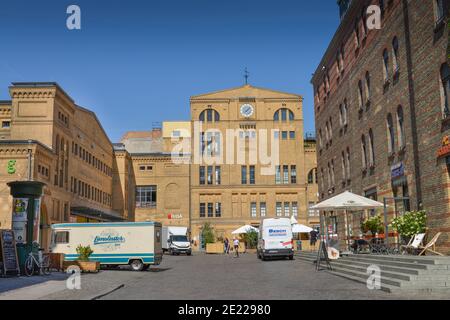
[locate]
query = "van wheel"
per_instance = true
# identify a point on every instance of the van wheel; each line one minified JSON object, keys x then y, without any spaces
{"x":291,"y":257}
{"x":136,"y":265}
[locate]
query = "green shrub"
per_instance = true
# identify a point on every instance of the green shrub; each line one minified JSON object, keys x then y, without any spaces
{"x":411,"y":223}
{"x":208,"y":234}
{"x":84,"y":253}
{"x":251,"y":239}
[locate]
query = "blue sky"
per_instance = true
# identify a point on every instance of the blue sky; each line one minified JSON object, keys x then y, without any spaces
{"x":137,"y":62}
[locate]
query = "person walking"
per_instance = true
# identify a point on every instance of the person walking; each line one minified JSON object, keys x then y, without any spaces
{"x":226,"y":246}
{"x":236,"y":247}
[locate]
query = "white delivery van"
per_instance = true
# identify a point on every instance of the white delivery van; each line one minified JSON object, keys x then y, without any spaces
{"x":275,"y":239}
{"x":137,"y":244}
{"x":175,"y":240}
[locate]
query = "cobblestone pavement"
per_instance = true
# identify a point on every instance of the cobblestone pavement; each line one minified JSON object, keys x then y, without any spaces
{"x":214,"y":277}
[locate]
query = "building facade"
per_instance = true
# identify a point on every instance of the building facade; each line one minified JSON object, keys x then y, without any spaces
{"x":230,"y":191}
{"x":46,"y":137}
{"x":159,"y":175}
{"x":381,"y":110}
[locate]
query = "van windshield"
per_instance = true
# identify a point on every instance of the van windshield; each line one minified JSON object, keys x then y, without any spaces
{"x":179,"y":239}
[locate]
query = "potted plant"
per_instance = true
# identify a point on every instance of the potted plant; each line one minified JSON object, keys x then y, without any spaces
{"x":84,"y":262}
{"x":374,"y":225}
{"x":410,"y":224}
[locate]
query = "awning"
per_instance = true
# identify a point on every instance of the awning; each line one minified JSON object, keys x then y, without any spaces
{"x":95,"y":214}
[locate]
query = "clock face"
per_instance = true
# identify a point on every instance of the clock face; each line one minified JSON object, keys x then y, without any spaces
{"x":247,"y":110}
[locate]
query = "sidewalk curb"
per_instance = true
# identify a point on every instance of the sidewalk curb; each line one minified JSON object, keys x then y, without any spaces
{"x":105,"y":292}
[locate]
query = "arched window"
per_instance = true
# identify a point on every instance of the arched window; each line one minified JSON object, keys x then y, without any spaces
{"x":284,"y":114}
{"x":445,"y":89}
{"x":209,"y":115}
{"x":320,"y":138}
{"x":57,"y":144}
{"x":344,"y":171}
{"x":357,"y":37}
{"x":386,"y":65}
{"x":395,"y":57}
{"x":371,"y":149}
{"x":401,"y":127}
{"x":348,"y":163}
{"x":311,"y":176}
{"x":368,"y":91}
{"x":360,"y":94}
{"x":363,"y":152}
{"x":439,"y":9}
{"x":390,"y":132}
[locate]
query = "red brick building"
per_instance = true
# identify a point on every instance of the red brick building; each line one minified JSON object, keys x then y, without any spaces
{"x":382,"y":111}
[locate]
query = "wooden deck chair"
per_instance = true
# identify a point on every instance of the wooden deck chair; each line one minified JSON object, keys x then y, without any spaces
{"x":431,"y":244}
{"x":415,"y":243}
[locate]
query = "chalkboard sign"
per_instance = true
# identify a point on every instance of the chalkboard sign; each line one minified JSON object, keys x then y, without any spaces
{"x":9,"y":252}
{"x":322,"y":255}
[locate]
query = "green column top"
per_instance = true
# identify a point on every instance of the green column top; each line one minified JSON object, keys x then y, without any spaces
{"x":26,"y":188}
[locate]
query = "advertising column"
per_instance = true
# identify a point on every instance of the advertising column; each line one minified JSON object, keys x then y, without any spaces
{"x":26,"y":215}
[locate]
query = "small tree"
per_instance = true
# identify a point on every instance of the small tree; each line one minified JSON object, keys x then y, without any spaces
{"x":251,"y":239}
{"x":208,"y":234}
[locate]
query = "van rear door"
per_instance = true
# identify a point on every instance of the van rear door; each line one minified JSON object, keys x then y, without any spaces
{"x":277,"y":237}
{"x":158,"y":238}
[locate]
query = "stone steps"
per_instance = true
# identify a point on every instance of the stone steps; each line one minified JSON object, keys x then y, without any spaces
{"x":398,"y":273}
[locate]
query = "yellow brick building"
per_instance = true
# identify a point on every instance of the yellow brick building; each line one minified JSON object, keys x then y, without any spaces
{"x":159,"y":175}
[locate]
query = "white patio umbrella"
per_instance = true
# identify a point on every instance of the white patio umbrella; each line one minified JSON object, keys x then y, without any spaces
{"x":293,"y":220}
{"x":347,"y":201}
{"x":244,"y":229}
{"x":300,"y":228}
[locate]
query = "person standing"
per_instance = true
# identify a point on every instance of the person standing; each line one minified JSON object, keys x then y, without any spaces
{"x":313,"y":239}
{"x":236,"y":247}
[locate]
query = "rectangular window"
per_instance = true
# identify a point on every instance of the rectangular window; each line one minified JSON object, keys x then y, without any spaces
{"x":311,"y":212}
{"x":146,"y":197}
{"x":6,"y":124}
{"x":252,"y":174}
{"x":210,"y":175}
{"x":253,"y":209}
{"x":295,"y":209}
{"x":210,"y":210}
{"x":276,"y":135}
{"x":218,"y":176}
{"x":262,"y":209}
{"x":243,"y":175}
{"x":292,"y":135}
{"x":286,"y":209}
{"x":285,"y":174}
{"x":218,"y":210}
{"x":278,"y":175}
{"x":61,"y":237}
{"x":202,"y":210}
{"x":293,"y":174}
{"x":278,"y":209}
{"x":202,"y":175}
{"x":284,"y":135}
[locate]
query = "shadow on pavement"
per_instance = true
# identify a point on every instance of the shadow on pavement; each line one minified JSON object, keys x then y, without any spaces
{"x":13,"y":283}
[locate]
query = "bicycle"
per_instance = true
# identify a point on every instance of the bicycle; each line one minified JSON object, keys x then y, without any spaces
{"x":40,"y":260}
